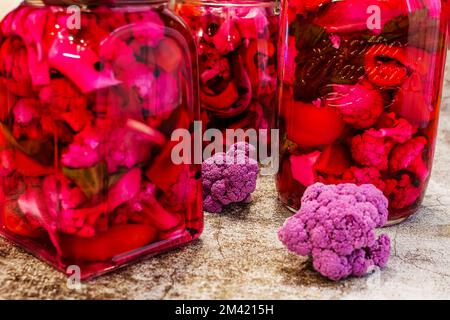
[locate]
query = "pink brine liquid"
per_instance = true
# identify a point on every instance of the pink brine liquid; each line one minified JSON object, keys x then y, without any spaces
{"x":87,"y":113}
{"x":360,"y":95}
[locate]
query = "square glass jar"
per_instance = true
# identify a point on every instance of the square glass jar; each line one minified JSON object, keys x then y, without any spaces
{"x":89,"y":98}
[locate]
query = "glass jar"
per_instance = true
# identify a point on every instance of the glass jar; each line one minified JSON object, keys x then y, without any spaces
{"x":237,"y":43}
{"x":89,"y":98}
{"x":446,"y":9}
{"x":360,"y":96}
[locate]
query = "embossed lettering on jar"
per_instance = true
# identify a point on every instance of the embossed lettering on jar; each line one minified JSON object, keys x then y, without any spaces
{"x":361,"y":91}
{"x":89,"y":97}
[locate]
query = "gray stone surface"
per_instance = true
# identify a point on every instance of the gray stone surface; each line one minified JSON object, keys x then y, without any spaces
{"x":239,"y":257}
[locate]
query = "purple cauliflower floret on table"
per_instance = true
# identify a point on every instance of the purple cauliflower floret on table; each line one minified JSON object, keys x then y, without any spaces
{"x":243,"y":148}
{"x":336,"y":227}
{"x":229,"y":177}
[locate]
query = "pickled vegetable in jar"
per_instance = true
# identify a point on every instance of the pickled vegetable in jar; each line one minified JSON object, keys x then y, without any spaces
{"x":360,"y":96}
{"x":90,"y":93}
{"x":237,"y":48}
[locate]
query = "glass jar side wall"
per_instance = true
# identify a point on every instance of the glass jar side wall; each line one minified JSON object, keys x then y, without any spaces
{"x":87,"y":116}
{"x":360,"y":101}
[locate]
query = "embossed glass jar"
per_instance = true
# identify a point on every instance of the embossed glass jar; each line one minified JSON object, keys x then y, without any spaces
{"x":360,"y":96}
{"x":90,"y":92}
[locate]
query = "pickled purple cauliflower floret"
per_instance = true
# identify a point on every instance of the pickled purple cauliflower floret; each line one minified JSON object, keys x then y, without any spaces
{"x":360,"y":105}
{"x":120,"y":147}
{"x":229,"y":177}
{"x":336,"y":227}
{"x":25,"y":111}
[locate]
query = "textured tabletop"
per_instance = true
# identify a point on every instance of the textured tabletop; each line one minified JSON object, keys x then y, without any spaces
{"x":239,"y":256}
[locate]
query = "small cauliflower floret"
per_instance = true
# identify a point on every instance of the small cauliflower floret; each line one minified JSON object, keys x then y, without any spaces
{"x":336,"y":227}
{"x":398,"y":129}
{"x":228,"y":178}
{"x":336,"y":267}
{"x":243,"y":147}
{"x":368,"y":175}
{"x":360,"y":104}
{"x":126,"y":149}
{"x":119,"y":147}
{"x":84,"y":152}
{"x":295,"y":236}
{"x":409,"y":156}
{"x":370,"y":151}
{"x":25,"y":111}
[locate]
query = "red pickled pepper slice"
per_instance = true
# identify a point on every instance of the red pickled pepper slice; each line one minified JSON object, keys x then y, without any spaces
{"x":39,"y":206}
{"x":23,"y":164}
{"x":106,"y":245}
{"x":302,"y":167}
{"x":395,"y":72}
{"x":308,"y":125}
{"x":256,"y":48}
{"x":223,"y":100}
{"x":389,"y":126}
{"x":63,"y":54}
{"x":29,"y":167}
{"x":17,"y":224}
{"x":168,"y":55}
{"x":410,"y":102}
{"x":335,"y":159}
{"x":157,"y":216}
{"x":163,"y":173}
{"x":386,"y":74}
{"x":227,"y":38}
{"x":240,"y":96}
{"x":7,"y":98}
